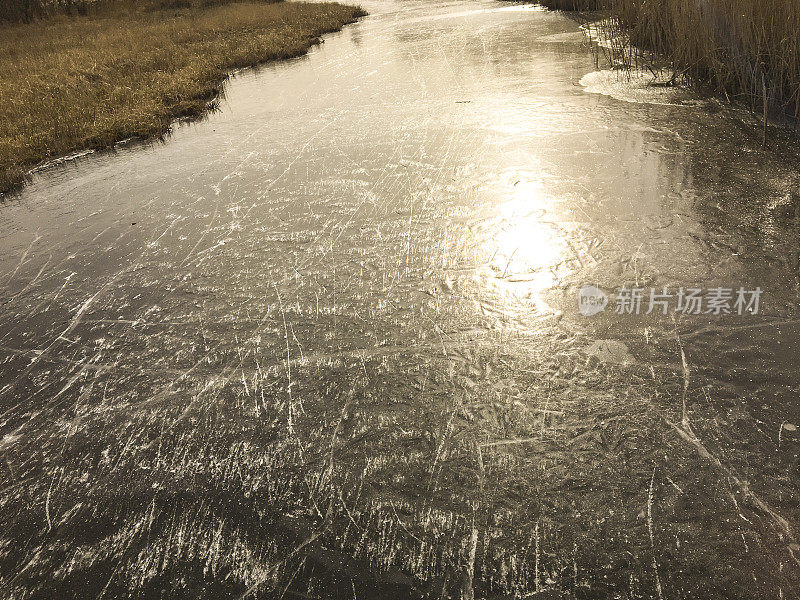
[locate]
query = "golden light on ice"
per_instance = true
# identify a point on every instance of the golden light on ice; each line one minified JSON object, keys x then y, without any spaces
{"x":527,"y":249}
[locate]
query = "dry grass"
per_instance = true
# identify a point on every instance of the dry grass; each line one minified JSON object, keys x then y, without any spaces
{"x":25,"y":11}
{"x":739,"y":46}
{"x":71,"y":83}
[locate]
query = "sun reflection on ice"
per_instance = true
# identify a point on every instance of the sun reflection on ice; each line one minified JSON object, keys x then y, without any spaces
{"x":528,"y":248}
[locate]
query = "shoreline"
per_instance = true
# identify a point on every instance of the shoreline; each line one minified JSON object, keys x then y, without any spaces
{"x":747,"y":51}
{"x":77,"y":85}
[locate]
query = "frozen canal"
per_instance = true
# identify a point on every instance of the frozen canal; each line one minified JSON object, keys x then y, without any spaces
{"x":326,"y":342}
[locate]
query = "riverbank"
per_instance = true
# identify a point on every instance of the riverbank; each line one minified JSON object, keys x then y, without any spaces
{"x":75,"y":83}
{"x":748,"y":50}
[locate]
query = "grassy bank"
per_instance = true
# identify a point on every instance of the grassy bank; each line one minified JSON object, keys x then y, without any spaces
{"x":25,"y":11}
{"x":70,"y":83}
{"x":740,"y":46}
{"x":747,"y":49}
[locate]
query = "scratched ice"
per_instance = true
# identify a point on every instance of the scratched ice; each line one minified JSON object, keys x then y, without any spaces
{"x":325,"y":343}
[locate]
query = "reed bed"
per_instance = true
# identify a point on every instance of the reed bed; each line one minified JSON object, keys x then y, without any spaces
{"x":747,"y":49}
{"x":73,"y":83}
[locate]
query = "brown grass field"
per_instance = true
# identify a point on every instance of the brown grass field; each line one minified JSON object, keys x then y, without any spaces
{"x":69,"y":83}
